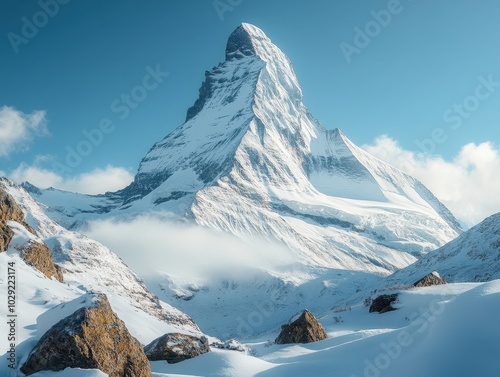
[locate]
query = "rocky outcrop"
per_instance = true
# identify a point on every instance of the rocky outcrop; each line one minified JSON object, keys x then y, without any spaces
{"x":304,"y":329}
{"x":93,"y":337}
{"x":176,"y":347}
{"x":9,"y":210}
{"x":34,"y":253}
{"x":429,"y":280}
{"x":39,"y":256}
{"x":383,"y":303}
{"x":6,"y":235}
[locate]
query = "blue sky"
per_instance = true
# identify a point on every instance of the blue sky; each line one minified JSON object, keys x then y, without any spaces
{"x":410,"y":71}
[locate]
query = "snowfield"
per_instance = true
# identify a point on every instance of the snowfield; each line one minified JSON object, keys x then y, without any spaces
{"x":446,"y":330}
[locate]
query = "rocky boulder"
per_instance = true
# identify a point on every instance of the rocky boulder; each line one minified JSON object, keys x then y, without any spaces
{"x":429,"y":280}
{"x":231,"y":345}
{"x":39,"y":256}
{"x":176,"y":347}
{"x":383,"y":303}
{"x":92,"y":337}
{"x":304,"y":329}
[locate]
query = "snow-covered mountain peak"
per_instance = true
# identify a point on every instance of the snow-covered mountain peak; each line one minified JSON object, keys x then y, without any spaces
{"x":247,"y":40}
{"x":251,"y":160}
{"x":243,"y":41}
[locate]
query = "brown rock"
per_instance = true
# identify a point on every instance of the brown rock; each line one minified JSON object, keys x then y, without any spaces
{"x":6,"y":235}
{"x":432,"y":279}
{"x":9,"y":209}
{"x":92,"y":337}
{"x":176,"y":347}
{"x":305,"y":329}
{"x":383,"y":303}
{"x":34,"y":253}
{"x":39,"y":256}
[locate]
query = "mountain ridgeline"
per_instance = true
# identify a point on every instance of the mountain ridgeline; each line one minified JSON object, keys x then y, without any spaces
{"x":252,"y":161}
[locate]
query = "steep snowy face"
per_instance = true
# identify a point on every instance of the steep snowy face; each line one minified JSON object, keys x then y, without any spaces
{"x":201,"y":150}
{"x":251,"y":160}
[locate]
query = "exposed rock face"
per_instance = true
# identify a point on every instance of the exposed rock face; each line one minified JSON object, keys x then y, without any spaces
{"x":432,"y":279}
{"x":9,"y":210}
{"x":34,"y":253}
{"x":39,"y":256}
{"x":176,"y":347}
{"x":6,"y":235}
{"x":305,"y":329}
{"x":93,"y":337}
{"x":383,"y":303}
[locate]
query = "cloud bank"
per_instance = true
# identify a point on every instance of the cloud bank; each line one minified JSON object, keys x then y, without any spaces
{"x":468,"y":185}
{"x":151,"y":245}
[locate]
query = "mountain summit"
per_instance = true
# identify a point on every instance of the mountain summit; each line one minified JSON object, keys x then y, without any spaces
{"x":252,"y":161}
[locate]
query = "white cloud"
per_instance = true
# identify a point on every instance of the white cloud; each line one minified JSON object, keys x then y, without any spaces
{"x":97,"y":181}
{"x":18,"y":129}
{"x":468,"y":185}
{"x":151,"y":244}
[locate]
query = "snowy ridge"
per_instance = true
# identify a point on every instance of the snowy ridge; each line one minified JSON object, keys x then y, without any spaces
{"x":252,"y":161}
{"x":473,"y":257}
{"x":90,"y":266}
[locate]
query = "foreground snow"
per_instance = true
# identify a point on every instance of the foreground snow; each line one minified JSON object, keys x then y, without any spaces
{"x":438,"y":331}
{"x":447,"y":330}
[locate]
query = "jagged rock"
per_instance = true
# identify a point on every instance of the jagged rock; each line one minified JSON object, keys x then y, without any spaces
{"x":6,"y":235}
{"x":93,"y":337}
{"x":305,"y":329}
{"x":432,"y":279}
{"x":176,"y":347}
{"x":11,"y":211}
{"x":383,"y":303}
{"x":34,"y":253}
{"x":39,"y":256}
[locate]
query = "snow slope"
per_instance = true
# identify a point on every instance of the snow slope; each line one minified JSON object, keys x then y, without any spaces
{"x":252,"y":161}
{"x":90,"y":266}
{"x":438,"y":331}
{"x":473,"y":256}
